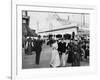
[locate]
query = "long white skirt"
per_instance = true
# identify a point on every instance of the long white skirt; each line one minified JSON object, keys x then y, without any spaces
{"x":64,"y":59}
{"x":55,"y":59}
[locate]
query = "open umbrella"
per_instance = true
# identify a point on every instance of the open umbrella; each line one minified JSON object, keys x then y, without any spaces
{"x":58,"y":36}
{"x":67,"y":36}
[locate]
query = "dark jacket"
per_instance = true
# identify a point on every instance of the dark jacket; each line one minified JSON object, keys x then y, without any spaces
{"x":62,"y":47}
{"x":38,"y":45}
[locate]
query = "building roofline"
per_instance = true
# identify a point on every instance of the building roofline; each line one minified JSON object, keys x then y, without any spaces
{"x":58,"y":29}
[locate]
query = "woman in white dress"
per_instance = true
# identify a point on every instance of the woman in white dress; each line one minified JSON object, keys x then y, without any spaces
{"x":55,"y":59}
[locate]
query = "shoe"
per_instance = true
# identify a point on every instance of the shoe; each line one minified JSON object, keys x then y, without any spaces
{"x":50,"y":65}
{"x":37,"y":63}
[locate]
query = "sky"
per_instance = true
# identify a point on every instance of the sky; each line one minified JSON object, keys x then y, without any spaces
{"x":43,"y":21}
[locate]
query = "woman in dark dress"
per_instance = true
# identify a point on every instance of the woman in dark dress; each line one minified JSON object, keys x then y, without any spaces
{"x":70,"y":52}
{"x":28,"y":47}
{"x":74,"y":53}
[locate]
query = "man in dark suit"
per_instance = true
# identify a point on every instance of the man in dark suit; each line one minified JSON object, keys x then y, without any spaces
{"x":62,"y":50}
{"x":38,"y":49}
{"x":61,"y":46}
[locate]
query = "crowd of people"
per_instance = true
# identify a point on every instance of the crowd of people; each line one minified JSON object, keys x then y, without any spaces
{"x":31,"y":45}
{"x":71,"y":50}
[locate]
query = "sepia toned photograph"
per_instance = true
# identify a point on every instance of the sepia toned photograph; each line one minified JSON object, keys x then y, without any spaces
{"x":55,"y":39}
